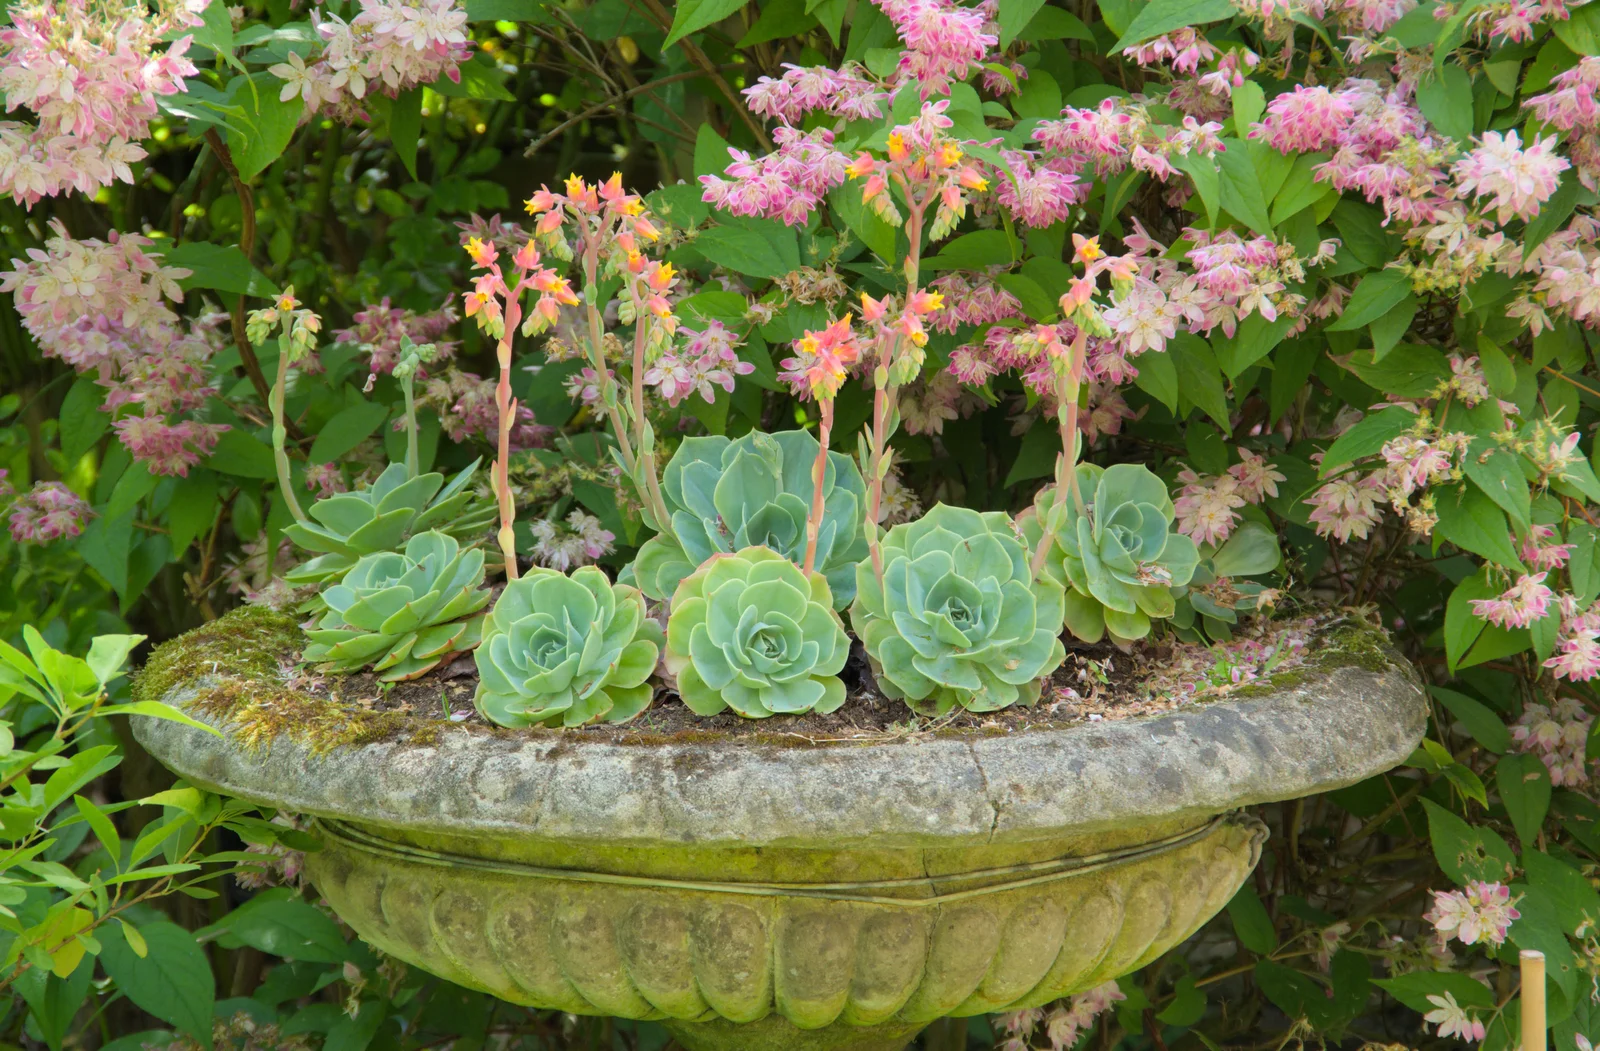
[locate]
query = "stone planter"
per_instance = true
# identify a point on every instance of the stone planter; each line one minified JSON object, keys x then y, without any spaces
{"x":755,"y":895}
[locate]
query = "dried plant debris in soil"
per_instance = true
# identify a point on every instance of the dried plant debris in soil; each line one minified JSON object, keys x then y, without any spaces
{"x":245,"y":673}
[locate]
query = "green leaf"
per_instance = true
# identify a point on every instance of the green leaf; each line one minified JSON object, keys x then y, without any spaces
{"x":104,"y":830}
{"x":355,"y":1034}
{"x":1524,"y":787}
{"x":1486,"y":727}
{"x":1413,"y":989}
{"x":1473,"y":522}
{"x":1409,"y":371}
{"x":1014,"y":16}
{"x":1251,"y":924}
{"x":135,"y":484}
{"x":270,"y":120}
{"x":1199,"y":378}
{"x":768,"y":250}
{"x":82,"y":422}
{"x":976,"y":250}
{"x":1584,"y":567}
{"x":1249,"y":102}
{"x":405,"y":125}
{"x":220,"y":267}
{"x":1551,"y":215}
{"x":1467,"y":852}
{"x":172,"y":981}
{"x":879,"y":236}
{"x":1037,"y":457}
{"x":479,"y":80}
{"x":238,"y":453}
{"x":1158,"y":377}
{"x":1163,"y":16}
{"x":193,"y":508}
{"x":694,"y":15}
{"x":1498,"y":472}
{"x":1377,"y":294}
{"x":1241,"y":192}
{"x":1188,"y":1004}
{"x":779,"y":18}
{"x":1253,"y":340}
{"x":285,"y":927}
{"x":1367,"y":437}
{"x":158,"y":710}
{"x":1575,"y":901}
{"x":507,"y":11}
{"x":1581,"y":32}
{"x":1446,"y":100}
{"x":1301,"y":189}
{"x":1207,"y":178}
{"x":1388,"y":329}
{"x":1361,"y":229}
{"x":1052,"y":23}
{"x":346,"y":430}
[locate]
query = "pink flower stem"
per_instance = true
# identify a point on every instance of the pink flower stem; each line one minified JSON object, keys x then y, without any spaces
{"x":818,"y":475}
{"x":644,"y":436}
{"x":507,"y":407}
{"x":597,"y":357}
{"x":1067,"y":461}
{"x":884,"y":394}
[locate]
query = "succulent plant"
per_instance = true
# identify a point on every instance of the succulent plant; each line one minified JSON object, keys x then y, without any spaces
{"x":1215,"y":596}
{"x":755,"y":491}
{"x":402,"y":613}
{"x":749,"y":631}
{"x":564,"y":651}
{"x":381,"y":517}
{"x":958,"y":618}
{"x":1122,"y":560}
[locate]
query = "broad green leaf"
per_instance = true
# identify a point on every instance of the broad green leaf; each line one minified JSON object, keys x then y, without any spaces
{"x":1584,"y":566}
{"x":507,"y":11}
{"x":1409,"y":371}
{"x":771,"y":250}
{"x":1485,"y":726}
{"x":1207,"y":179}
{"x":1467,"y":852}
{"x":346,"y":430}
{"x":104,"y":830}
{"x":193,"y":508}
{"x":1377,"y":294}
{"x":1498,"y":472}
{"x":220,"y":267}
{"x":158,"y":710}
{"x":82,"y":422}
{"x":1253,"y":340}
{"x":1249,"y":102}
{"x":1574,"y":899}
{"x":1472,"y":522}
{"x":271,"y":121}
{"x":1158,"y":377}
{"x":695,"y":15}
{"x":1052,"y":23}
{"x":1014,"y":16}
{"x":1241,"y":193}
{"x":1301,"y":189}
{"x":284,"y":927}
{"x":976,"y":250}
{"x":238,"y":453}
{"x":1251,"y":924}
{"x":1388,"y":329}
{"x":171,"y":980}
{"x":1581,"y":32}
{"x":405,"y":125}
{"x":1524,"y":787}
{"x":1413,"y":989}
{"x":1552,"y":214}
{"x":1163,"y":16}
{"x":479,"y":80}
{"x":1199,"y":378}
{"x":1367,"y":437}
{"x":1446,"y":100}
{"x":108,"y":653}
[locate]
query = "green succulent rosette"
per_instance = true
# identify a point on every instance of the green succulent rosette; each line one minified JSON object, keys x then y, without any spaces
{"x":754,"y":491}
{"x":749,"y":631}
{"x":347,"y":526}
{"x":401,"y":613}
{"x":958,"y":618}
{"x":1122,"y":562}
{"x":565,"y":651}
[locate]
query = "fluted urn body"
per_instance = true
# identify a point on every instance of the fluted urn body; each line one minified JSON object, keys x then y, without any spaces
{"x":759,"y":895}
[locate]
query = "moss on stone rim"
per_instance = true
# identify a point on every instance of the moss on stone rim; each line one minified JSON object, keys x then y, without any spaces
{"x":236,"y":671}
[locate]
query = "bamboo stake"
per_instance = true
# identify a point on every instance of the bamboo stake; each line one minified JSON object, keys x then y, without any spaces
{"x":1532,"y":1001}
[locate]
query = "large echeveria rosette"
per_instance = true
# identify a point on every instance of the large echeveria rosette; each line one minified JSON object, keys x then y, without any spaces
{"x":564,"y":651}
{"x":1122,"y":560}
{"x":755,"y":491}
{"x":402,"y":613}
{"x":958,"y":619}
{"x":749,"y":631}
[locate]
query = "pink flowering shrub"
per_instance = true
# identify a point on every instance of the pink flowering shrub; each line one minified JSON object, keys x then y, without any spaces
{"x":1330,"y":269}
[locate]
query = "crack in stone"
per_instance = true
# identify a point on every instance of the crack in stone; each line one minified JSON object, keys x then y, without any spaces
{"x":984,"y":777}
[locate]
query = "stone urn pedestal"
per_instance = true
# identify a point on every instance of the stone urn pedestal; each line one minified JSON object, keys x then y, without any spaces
{"x":757,"y":895}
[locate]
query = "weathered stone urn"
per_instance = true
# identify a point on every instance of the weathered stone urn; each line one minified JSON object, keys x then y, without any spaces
{"x":755,"y":895}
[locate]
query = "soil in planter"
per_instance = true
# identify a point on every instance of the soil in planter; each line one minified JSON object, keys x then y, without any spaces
{"x":1096,"y":682}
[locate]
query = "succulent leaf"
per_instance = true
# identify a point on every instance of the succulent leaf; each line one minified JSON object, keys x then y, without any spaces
{"x":564,"y":651}
{"x":958,"y":619}
{"x":401,"y":612}
{"x":754,"y":491}
{"x":749,"y":631}
{"x":347,"y":526}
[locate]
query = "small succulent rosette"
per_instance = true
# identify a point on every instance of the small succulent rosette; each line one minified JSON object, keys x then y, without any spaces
{"x":755,"y":490}
{"x":958,"y":619}
{"x":749,"y":631}
{"x":565,"y":651}
{"x":402,"y":613}
{"x":347,"y":526}
{"x":1122,"y":561}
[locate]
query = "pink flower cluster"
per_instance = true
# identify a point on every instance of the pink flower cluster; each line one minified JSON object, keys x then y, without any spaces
{"x":1039,"y":191}
{"x":846,"y":92}
{"x":1347,"y":507}
{"x":577,"y":542}
{"x":91,"y":73}
{"x":944,"y":41}
{"x":392,"y":45}
{"x":47,"y":512}
{"x":704,"y":360}
{"x":1577,"y":655}
{"x":787,"y":184}
{"x":1481,"y":913}
{"x":1183,"y":49}
{"x":1119,"y":133}
{"x":971,"y":299}
{"x":1520,"y":180}
{"x":1063,"y":1024}
{"x":1558,"y":735}
{"x":465,"y":404}
{"x":1524,"y":602}
{"x":378,"y":330}
{"x":101,"y":307}
{"x":1572,"y":106}
{"x":1207,"y":507}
